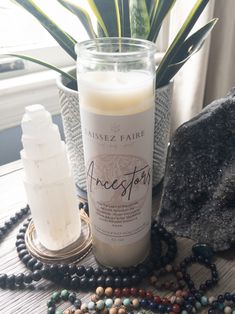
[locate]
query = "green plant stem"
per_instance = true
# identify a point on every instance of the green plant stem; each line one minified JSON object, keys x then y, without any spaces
{"x":48,"y":65}
{"x":64,"y":40}
{"x":179,"y":39}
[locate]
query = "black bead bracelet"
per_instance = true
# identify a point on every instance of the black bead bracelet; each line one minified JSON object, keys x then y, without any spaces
{"x":81,"y":277}
{"x":209,"y":283}
{"x":84,"y":278}
{"x":12,"y":221}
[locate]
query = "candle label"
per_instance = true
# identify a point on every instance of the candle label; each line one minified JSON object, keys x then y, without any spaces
{"x":118,"y":156}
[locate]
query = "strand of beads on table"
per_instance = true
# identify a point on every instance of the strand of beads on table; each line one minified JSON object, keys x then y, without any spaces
{"x":128,"y":300}
{"x":85,"y":277}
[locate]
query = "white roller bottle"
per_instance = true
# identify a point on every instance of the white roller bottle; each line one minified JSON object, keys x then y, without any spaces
{"x":48,"y":181}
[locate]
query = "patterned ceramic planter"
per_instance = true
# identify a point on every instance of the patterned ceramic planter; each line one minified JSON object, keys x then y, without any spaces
{"x":72,"y":127}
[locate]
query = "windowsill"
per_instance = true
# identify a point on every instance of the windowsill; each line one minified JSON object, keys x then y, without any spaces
{"x":52,"y":54}
{"x":18,"y":92}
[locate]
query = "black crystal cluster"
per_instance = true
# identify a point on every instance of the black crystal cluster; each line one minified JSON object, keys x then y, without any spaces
{"x":199,"y":189}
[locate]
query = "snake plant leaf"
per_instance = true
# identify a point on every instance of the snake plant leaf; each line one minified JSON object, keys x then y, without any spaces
{"x":152,"y":9}
{"x":159,"y":11}
{"x":118,"y":18}
{"x":82,"y":15}
{"x":125,"y":21}
{"x":45,"y":64}
{"x":64,"y":40}
{"x":109,"y":11}
{"x":139,"y":19}
{"x":179,"y":39}
{"x":150,"y":5}
{"x":94,"y":5}
{"x":191,"y":45}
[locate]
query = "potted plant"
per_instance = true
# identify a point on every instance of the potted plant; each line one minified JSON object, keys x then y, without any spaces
{"x":122,"y":18}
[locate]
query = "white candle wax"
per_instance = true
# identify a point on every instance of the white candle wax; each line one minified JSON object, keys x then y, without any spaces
{"x":48,"y":182}
{"x":116,"y":93}
{"x":117,"y":113}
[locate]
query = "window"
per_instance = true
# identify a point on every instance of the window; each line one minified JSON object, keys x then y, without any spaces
{"x":24,"y":35}
{"x":31,"y":83}
{"x":22,"y":82}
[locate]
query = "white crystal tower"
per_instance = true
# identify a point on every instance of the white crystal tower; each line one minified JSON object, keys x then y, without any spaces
{"x":48,"y":181}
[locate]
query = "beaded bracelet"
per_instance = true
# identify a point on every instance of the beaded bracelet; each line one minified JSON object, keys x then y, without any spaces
{"x":134,"y":298}
{"x":155,"y":281}
{"x":121,"y":301}
{"x":116,"y":306}
{"x":219,"y":304}
{"x":64,"y":295}
{"x":81,"y":277}
{"x":11,"y":280}
{"x":203,"y":261}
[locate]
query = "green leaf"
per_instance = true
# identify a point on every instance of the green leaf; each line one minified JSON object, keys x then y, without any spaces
{"x":47,"y":65}
{"x":139,"y":19}
{"x":109,"y":11}
{"x":124,"y":9}
{"x":150,"y":5}
{"x":63,"y":39}
{"x":97,"y":14}
{"x":179,"y":39}
{"x":82,"y":15}
{"x":191,"y":45}
{"x":118,"y":18}
{"x":159,"y":11}
{"x":153,"y":10}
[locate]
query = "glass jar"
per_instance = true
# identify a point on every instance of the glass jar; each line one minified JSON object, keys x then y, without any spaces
{"x":116,"y":83}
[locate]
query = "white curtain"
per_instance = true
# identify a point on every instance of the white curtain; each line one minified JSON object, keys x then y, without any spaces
{"x":210,"y":73}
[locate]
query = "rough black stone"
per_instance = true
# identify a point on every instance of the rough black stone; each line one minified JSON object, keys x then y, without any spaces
{"x":203,"y":249}
{"x":199,"y":189}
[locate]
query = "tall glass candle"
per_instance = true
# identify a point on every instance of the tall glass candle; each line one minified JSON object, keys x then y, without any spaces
{"x":116,"y":79}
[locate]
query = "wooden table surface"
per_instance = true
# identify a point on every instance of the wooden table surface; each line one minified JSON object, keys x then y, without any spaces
{"x":33,"y":299}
